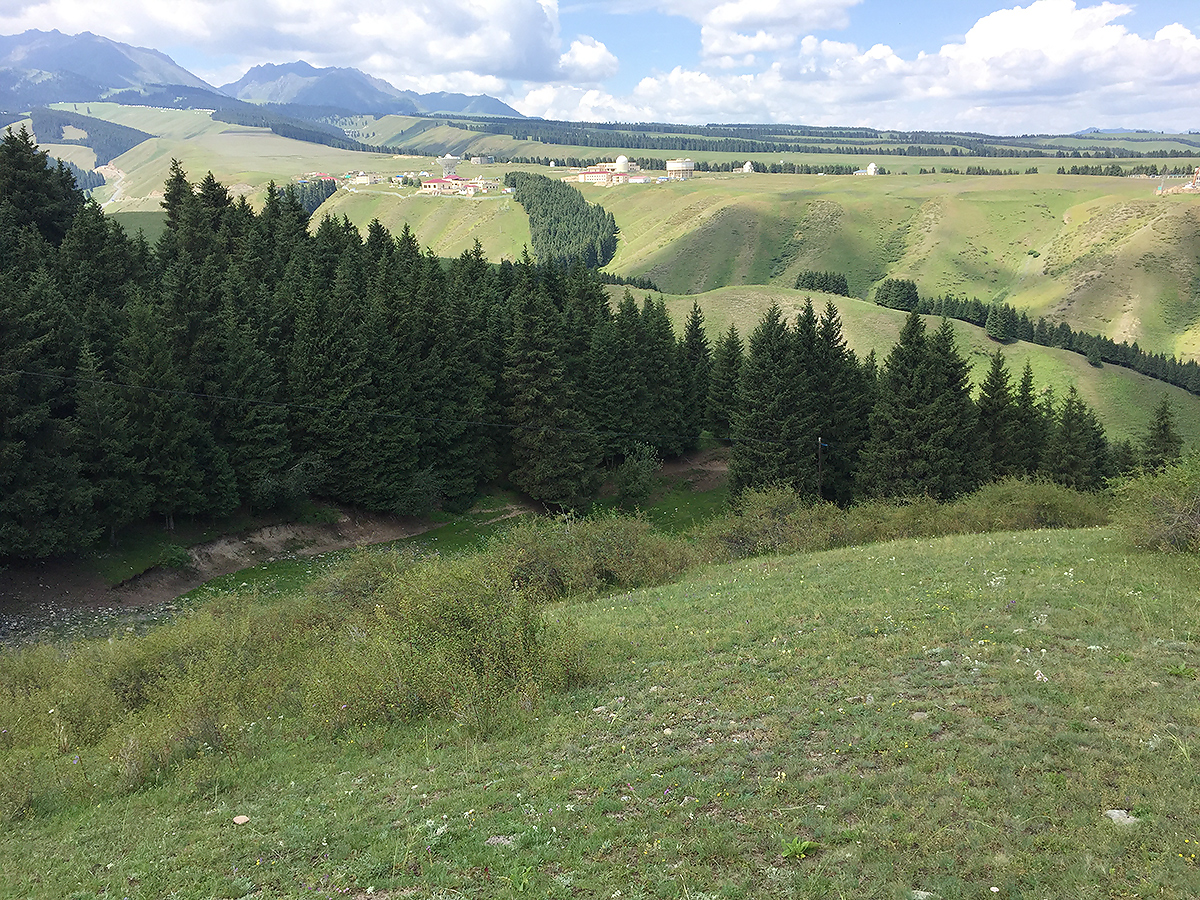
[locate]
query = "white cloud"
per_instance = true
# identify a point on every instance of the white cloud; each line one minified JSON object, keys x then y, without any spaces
{"x":732,"y":27}
{"x":587,"y":60}
{"x":509,"y":39}
{"x":1053,"y":65}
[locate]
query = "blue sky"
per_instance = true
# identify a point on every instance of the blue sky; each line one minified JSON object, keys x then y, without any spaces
{"x":1038,"y":66}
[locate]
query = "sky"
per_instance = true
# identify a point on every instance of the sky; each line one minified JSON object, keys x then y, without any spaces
{"x":1047,"y":66}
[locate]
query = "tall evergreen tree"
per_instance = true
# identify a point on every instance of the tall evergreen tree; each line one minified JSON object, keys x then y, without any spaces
{"x":761,"y":454}
{"x":843,"y":402}
{"x":1162,"y":444}
{"x":998,"y":423}
{"x":1029,"y":426}
{"x":555,"y":455}
{"x":662,"y":368}
{"x":45,"y":503}
{"x":1076,"y":450}
{"x":723,"y":384}
{"x":697,"y":368}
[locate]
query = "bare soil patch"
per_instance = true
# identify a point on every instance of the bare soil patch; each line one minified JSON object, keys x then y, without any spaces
{"x":702,"y":470}
{"x":36,"y":594}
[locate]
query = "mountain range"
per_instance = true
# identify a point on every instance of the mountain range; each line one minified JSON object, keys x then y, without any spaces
{"x":42,"y":67}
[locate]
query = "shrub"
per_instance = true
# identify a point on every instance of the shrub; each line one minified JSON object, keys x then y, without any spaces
{"x":637,"y":474}
{"x":551,"y":559}
{"x":777,"y":520}
{"x":1161,"y":511}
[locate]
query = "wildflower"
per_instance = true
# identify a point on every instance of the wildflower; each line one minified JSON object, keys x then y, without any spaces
{"x":1039,"y":676}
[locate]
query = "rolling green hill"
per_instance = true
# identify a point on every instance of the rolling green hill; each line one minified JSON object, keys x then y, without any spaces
{"x":1104,"y":254}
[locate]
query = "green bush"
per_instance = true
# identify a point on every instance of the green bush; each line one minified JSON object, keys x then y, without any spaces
{"x":551,"y":559}
{"x":777,"y":520}
{"x":1161,"y":511}
{"x":637,"y":475}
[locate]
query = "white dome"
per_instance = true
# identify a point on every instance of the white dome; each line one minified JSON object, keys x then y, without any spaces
{"x":622,"y":163}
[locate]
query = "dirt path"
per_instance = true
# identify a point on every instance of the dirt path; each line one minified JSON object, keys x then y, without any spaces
{"x":66,"y":591}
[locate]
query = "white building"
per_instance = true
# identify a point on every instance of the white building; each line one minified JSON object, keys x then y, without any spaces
{"x":680,"y":169}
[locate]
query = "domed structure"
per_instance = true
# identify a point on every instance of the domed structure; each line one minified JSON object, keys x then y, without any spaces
{"x":622,"y":164}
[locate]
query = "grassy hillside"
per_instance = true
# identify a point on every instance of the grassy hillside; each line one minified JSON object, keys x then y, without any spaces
{"x":952,"y":715}
{"x":1103,"y":254}
{"x":243,"y":158}
{"x":448,"y":225}
{"x":1122,"y":398}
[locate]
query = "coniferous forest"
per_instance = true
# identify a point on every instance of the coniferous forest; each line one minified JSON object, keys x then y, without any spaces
{"x":250,"y":360}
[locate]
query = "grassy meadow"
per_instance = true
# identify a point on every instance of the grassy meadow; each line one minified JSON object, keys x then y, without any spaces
{"x":952,"y":714}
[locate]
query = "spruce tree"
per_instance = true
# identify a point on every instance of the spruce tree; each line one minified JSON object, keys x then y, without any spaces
{"x":1076,"y":450}
{"x":843,"y":404}
{"x":697,"y":360}
{"x":1162,"y":444}
{"x":760,"y":432}
{"x":723,"y":384}
{"x":1029,"y":426}
{"x":998,"y":423}
{"x":893,"y":461}
{"x":554,"y":454}
{"x":662,"y":373}
{"x":45,"y":503}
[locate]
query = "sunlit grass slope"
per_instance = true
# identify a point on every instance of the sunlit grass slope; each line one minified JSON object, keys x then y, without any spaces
{"x":1121,"y":397}
{"x":448,"y":225}
{"x":1103,"y":254}
{"x":952,"y":716}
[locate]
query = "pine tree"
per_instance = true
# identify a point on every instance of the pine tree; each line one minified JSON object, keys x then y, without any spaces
{"x":32,"y":193}
{"x":1076,"y":450}
{"x":723,"y":384}
{"x":843,"y":406}
{"x":662,"y":373}
{"x":893,"y":461}
{"x":1029,"y":426}
{"x":697,"y":360}
{"x":952,"y":436}
{"x":555,"y":456}
{"x":998,"y":423}
{"x":103,"y":438}
{"x":45,"y":503}
{"x":1162,"y":445}
{"x":760,"y":431}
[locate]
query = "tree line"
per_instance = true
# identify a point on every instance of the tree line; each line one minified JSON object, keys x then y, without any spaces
{"x":1004,"y":323}
{"x":563,"y":225}
{"x":249,"y":360}
{"x":108,"y":139}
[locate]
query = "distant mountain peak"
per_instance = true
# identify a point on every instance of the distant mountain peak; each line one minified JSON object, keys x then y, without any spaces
{"x":352,"y":90}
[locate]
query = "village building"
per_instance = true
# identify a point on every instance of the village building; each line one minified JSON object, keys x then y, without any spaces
{"x":680,"y":169}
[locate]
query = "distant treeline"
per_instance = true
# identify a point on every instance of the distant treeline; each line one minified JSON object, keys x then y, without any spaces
{"x":85,"y":179}
{"x":108,"y":139}
{"x":563,"y":225}
{"x":654,"y":164}
{"x":829,"y":282}
{"x":977,"y":170}
{"x":637,"y":281}
{"x":297,"y":129}
{"x":1005,"y":323}
{"x":744,"y":139}
{"x":311,"y":194}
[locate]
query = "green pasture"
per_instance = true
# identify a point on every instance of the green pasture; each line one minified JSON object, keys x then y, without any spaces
{"x":447,"y":225}
{"x":950,"y":715}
